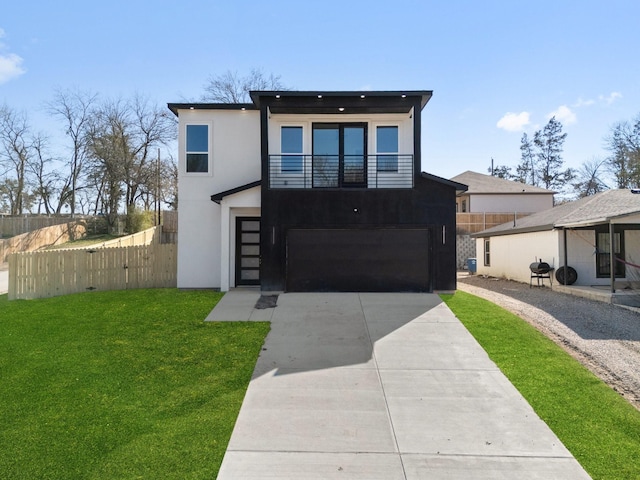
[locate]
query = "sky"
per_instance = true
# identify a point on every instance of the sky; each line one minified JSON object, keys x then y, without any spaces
{"x":497,"y":69}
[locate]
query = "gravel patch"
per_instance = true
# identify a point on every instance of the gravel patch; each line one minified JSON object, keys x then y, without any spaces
{"x":603,"y":337}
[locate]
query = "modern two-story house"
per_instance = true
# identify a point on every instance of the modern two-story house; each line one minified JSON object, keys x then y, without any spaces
{"x":312,"y":191}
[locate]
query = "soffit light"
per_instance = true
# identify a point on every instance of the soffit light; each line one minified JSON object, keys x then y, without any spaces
{"x":341,"y":109}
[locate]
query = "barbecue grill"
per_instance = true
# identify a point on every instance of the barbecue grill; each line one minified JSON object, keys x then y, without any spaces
{"x":540,"y":270}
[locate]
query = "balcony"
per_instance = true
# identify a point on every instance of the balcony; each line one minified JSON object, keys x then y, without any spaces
{"x":340,"y":171}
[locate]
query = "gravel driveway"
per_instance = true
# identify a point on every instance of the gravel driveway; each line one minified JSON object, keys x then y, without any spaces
{"x":604,"y":337}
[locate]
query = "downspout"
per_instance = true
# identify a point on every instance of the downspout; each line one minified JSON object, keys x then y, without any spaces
{"x":612,"y":257}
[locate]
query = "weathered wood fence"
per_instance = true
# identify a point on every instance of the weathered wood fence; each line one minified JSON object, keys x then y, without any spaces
{"x":60,"y":272}
{"x":467,"y":223}
{"x":43,"y":237}
{"x":12,"y":226}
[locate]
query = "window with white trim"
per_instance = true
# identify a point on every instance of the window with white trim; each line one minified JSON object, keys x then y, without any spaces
{"x":487,"y":252}
{"x":197,"y":148}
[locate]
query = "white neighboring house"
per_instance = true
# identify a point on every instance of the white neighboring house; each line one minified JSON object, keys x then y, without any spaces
{"x":497,"y":195}
{"x":585,"y":229}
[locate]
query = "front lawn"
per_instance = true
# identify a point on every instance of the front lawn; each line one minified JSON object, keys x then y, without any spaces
{"x":599,"y":427}
{"x":123,"y":384}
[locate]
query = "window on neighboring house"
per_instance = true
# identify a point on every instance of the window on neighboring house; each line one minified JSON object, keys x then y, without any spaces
{"x":603,"y":249}
{"x":487,"y":252}
{"x":197,"y":148}
{"x":464,"y":206}
{"x":291,"y":149}
{"x":387,"y":148}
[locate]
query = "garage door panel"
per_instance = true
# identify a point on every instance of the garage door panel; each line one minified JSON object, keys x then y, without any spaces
{"x":358,"y":260}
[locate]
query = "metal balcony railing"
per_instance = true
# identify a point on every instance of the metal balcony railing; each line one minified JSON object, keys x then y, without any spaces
{"x":340,"y":171}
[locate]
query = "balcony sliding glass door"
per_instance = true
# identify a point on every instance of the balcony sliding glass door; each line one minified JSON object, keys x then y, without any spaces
{"x":339,"y":155}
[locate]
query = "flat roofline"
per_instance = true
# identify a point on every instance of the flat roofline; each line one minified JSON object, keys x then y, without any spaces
{"x":174,"y":107}
{"x":258,"y":95}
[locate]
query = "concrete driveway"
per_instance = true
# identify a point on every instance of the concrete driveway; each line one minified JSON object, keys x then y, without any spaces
{"x":4,"y":278}
{"x":380,"y":386}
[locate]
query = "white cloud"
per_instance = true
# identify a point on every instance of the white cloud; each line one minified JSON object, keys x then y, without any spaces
{"x":564,"y":115}
{"x":583,"y":103}
{"x":10,"y":67}
{"x":10,"y":63}
{"x":609,"y":99}
{"x":514,"y":122}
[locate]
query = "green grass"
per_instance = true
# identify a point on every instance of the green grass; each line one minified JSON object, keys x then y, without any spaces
{"x":120,"y":385}
{"x":599,"y":427}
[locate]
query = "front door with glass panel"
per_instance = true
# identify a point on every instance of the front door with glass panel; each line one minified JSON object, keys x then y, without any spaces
{"x":339,"y":155}
{"x":247,"y":251}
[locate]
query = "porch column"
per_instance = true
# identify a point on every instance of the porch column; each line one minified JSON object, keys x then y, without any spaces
{"x":566,"y":255}
{"x":612,"y":257}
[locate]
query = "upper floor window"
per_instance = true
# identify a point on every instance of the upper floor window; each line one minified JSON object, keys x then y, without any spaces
{"x":197,"y":152}
{"x":291,"y":149}
{"x":387,"y":144}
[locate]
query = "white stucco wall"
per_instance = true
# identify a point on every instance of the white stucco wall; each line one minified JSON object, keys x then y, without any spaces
{"x":404,"y":176}
{"x":511,"y":255}
{"x":234,"y":148}
{"x":509,"y":203}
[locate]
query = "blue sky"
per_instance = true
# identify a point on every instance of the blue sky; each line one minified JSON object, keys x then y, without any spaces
{"x":497,"y":68}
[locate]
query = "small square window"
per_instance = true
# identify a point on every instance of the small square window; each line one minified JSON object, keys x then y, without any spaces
{"x":197,"y":151}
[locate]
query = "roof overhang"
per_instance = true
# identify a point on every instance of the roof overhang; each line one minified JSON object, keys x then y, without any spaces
{"x":460,"y":187}
{"x":341,"y":102}
{"x":218,"y":197}
{"x":175,"y":107}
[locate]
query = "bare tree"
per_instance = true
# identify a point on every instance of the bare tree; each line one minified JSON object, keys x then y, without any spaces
{"x":74,"y":109}
{"x":229,"y":87}
{"x":589,"y":178}
{"x":15,"y":155}
{"x":624,"y":144}
{"x":124,"y":137}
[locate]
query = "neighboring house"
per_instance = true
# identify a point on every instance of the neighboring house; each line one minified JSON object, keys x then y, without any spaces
{"x":312,"y":191}
{"x":585,"y":229}
{"x":497,"y":195}
{"x":491,"y":201}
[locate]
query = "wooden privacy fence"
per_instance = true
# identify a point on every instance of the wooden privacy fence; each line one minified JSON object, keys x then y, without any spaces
{"x":467,"y":223}
{"x":43,"y":237}
{"x":61,"y":272}
{"x":12,"y":226}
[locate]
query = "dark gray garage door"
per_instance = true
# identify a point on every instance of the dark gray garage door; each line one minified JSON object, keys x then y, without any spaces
{"x":362,"y":260}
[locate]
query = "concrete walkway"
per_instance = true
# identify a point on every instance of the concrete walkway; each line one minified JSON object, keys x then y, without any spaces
{"x":380,"y":386}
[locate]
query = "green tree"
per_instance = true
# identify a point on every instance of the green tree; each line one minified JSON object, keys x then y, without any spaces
{"x":549,"y":144}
